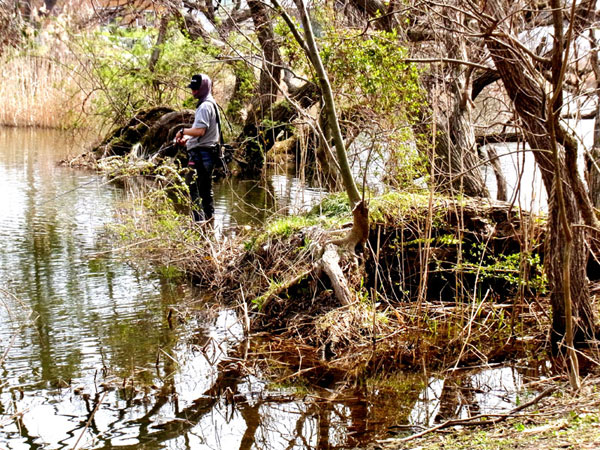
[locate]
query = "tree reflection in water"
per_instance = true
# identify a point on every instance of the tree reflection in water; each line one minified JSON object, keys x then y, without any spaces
{"x":105,"y":358}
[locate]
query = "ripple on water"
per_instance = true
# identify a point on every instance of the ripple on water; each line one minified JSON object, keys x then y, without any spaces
{"x":86,"y":327}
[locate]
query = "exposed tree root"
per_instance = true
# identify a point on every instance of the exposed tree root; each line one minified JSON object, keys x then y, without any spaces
{"x":330,"y":264}
{"x":359,"y":233}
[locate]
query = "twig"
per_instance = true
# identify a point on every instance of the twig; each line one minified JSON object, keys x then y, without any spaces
{"x":246,"y":316}
{"x":470,"y":421}
{"x":87,"y":424}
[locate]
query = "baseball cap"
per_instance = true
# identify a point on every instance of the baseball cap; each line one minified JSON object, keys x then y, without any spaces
{"x":195,"y":82}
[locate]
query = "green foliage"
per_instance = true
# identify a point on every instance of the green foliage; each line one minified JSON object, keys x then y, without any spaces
{"x":169,"y":272}
{"x":155,"y":216}
{"x":371,"y":69}
{"x":374,"y":84}
{"x":332,"y":211}
{"x":286,"y":226}
{"x":268,"y":125}
{"x":448,"y":239}
{"x":274,"y":286}
{"x":280,"y":228}
{"x":120,"y":73}
{"x":289,"y":47}
{"x":243,"y":91}
{"x":334,"y":205}
{"x":519,"y":426}
{"x":518,"y":269}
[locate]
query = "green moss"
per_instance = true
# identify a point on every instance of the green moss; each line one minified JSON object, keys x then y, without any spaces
{"x":274,"y":286}
{"x":396,"y":205}
{"x":287,"y":226}
{"x":333,"y":205}
{"x":330,"y":213}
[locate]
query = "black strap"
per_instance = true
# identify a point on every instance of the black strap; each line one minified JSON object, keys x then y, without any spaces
{"x":218,"y":120}
{"x":221,"y":141}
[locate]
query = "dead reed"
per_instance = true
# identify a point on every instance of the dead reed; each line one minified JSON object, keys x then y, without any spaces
{"x":38,"y":91}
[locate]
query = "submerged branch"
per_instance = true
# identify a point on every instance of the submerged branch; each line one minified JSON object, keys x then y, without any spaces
{"x":475,"y":420}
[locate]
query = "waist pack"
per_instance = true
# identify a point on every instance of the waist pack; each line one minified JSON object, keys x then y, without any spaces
{"x":220,"y":154}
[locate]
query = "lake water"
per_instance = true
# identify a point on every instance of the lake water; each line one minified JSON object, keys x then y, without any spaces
{"x":95,"y":352}
{"x":523,"y":178}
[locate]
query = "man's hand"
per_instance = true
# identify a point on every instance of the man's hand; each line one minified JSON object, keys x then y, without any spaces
{"x":179,"y":138}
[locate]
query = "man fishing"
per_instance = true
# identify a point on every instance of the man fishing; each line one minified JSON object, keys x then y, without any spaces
{"x":204,"y":139}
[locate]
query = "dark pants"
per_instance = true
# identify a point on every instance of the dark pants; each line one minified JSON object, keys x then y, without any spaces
{"x":200,"y":183}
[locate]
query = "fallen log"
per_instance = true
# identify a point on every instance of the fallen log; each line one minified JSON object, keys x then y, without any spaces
{"x":121,"y":141}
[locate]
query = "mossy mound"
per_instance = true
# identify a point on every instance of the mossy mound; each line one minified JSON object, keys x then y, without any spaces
{"x":445,"y":282}
{"x":447,"y":249}
{"x":439,"y":282}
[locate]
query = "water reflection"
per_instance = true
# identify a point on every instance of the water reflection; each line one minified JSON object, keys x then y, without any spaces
{"x":249,"y":202}
{"x":241,"y":202}
{"x":91,"y":355}
{"x":88,"y":313}
{"x":467,"y":394}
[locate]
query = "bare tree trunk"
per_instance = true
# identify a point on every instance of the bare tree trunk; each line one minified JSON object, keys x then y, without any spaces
{"x":209,"y":10}
{"x":9,"y":25}
{"x":459,"y":169}
{"x":49,"y":4}
{"x":524,"y":87}
{"x":458,"y":166}
{"x":592,"y":171}
{"x":270,"y":75}
{"x":500,"y":179}
{"x":453,"y":169}
{"x":156,"y":51}
{"x":384,"y":16}
{"x":258,"y":140}
{"x":329,"y":171}
{"x":592,"y":167}
{"x":160,"y":40}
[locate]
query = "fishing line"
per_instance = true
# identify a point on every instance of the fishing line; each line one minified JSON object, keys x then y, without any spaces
{"x":71,"y":190}
{"x":160,"y":150}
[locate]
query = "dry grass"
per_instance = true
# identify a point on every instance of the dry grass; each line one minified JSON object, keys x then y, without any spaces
{"x":38,"y":92}
{"x":356,"y":339}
